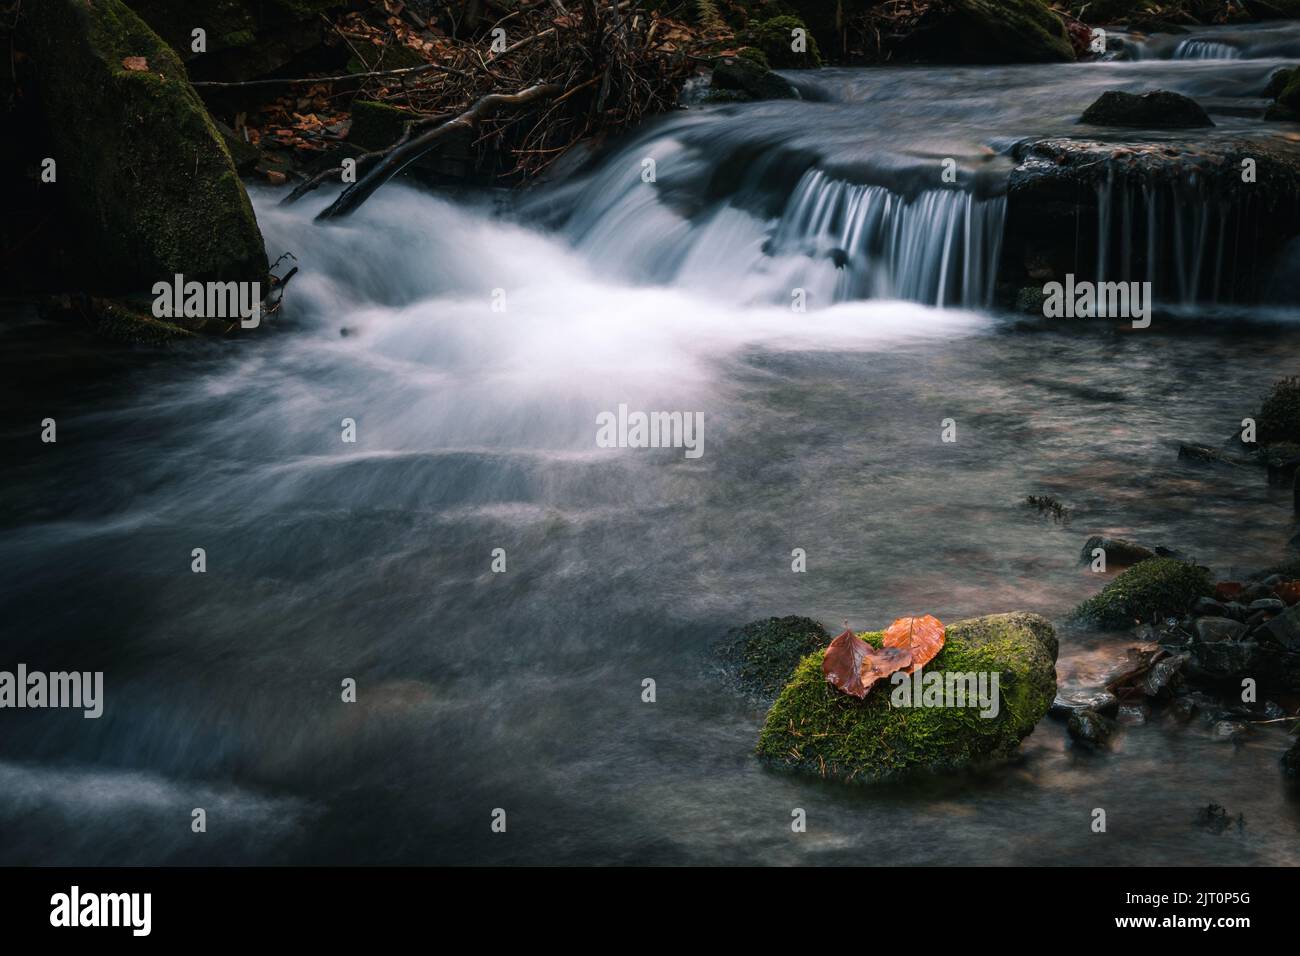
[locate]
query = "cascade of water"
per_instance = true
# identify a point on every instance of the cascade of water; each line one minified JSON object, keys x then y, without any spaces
{"x":1205,"y":50}
{"x":940,"y":247}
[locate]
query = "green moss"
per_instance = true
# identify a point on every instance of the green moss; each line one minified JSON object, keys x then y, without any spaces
{"x":377,"y":125}
{"x":763,"y":654}
{"x":775,"y":36}
{"x":816,"y":729}
{"x":127,"y":323}
{"x":757,"y":55}
{"x":1278,"y":419}
{"x":1155,"y":587}
{"x":150,"y":181}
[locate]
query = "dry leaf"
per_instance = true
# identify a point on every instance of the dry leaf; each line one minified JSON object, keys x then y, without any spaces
{"x":1227,"y":590}
{"x":923,"y":636}
{"x":136,"y":64}
{"x":1288,"y":591}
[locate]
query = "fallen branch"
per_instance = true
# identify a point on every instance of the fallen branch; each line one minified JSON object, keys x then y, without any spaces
{"x":396,"y":158}
{"x":308,"y":185}
{"x":404,"y":71}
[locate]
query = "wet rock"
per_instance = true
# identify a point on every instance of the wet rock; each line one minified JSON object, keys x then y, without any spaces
{"x":1284,"y":630}
{"x":1273,"y":710}
{"x":1208,"y":607}
{"x":1211,"y":630}
{"x":1183,"y":709}
{"x":152,"y":185}
{"x":1090,"y":729}
{"x":816,"y":729}
{"x":743,"y":75}
{"x":1284,"y":87}
{"x":1235,"y":611}
{"x":1119,"y":552}
{"x":762,"y":655}
{"x":1101,"y":702}
{"x":1159,"y":109}
{"x":1268,"y":605}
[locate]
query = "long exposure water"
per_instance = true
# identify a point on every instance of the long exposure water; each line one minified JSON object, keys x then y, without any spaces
{"x":476,"y":431}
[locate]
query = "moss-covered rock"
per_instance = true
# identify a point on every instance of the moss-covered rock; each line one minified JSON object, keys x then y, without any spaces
{"x":743,"y":75}
{"x":776,"y":38}
{"x":989,"y":31}
{"x":1278,"y":419}
{"x":244,"y":39}
{"x":762,"y":655}
{"x":814,"y":728}
{"x":1156,"y":587}
{"x":151,"y":186}
{"x":1284,"y":87}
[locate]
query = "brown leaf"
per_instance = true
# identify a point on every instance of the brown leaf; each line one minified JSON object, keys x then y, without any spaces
{"x":1227,"y":590}
{"x":136,"y":64}
{"x":923,"y":636}
{"x":853,"y":666}
{"x":1288,"y":591}
{"x":844,"y":661}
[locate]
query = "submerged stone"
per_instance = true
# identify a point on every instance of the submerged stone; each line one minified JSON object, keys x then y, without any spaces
{"x":1159,"y":109}
{"x":814,"y":728}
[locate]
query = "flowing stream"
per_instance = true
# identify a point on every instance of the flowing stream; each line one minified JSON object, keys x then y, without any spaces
{"x":473,"y":341}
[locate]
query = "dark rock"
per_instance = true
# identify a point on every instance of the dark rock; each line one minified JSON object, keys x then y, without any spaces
{"x":1134,"y":714}
{"x":1216,"y":819}
{"x":744,"y":75}
{"x":1119,"y":553}
{"x":1284,"y":630}
{"x":1159,"y":109}
{"x":1235,"y":611}
{"x":1210,"y":630}
{"x":987,"y":31}
{"x":1183,"y":709}
{"x":1273,"y":710}
{"x":1270,"y":605}
{"x":1090,"y":728}
{"x":1291,"y":762}
{"x":1208,"y":607}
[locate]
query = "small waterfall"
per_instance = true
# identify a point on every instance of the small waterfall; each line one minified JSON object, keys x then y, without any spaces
{"x":940,"y":247}
{"x":1205,"y":50}
{"x":1182,"y":239}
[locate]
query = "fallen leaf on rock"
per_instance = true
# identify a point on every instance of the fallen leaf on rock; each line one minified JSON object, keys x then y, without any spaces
{"x":1227,"y":590}
{"x":845,"y":660}
{"x":883,"y":662}
{"x":923,"y":636}
{"x":136,"y":64}
{"x":1288,"y":591}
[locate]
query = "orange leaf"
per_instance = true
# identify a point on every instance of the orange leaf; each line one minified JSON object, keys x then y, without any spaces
{"x":1288,"y":591}
{"x":923,"y":636}
{"x":1227,"y":590}
{"x":136,"y":64}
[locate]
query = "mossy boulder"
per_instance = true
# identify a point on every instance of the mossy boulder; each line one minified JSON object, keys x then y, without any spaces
{"x":743,"y":75}
{"x":1284,"y":87}
{"x":1278,"y":419}
{"x":151,"y":189}
{"x":989,"y":31}
{"x":244,"y":39}
{"x":762,"y":655}
{"x":814,"y":728}
{"x":1151,"y":588}
{"x":1158,"y":109}
{"x":776,"y":37}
